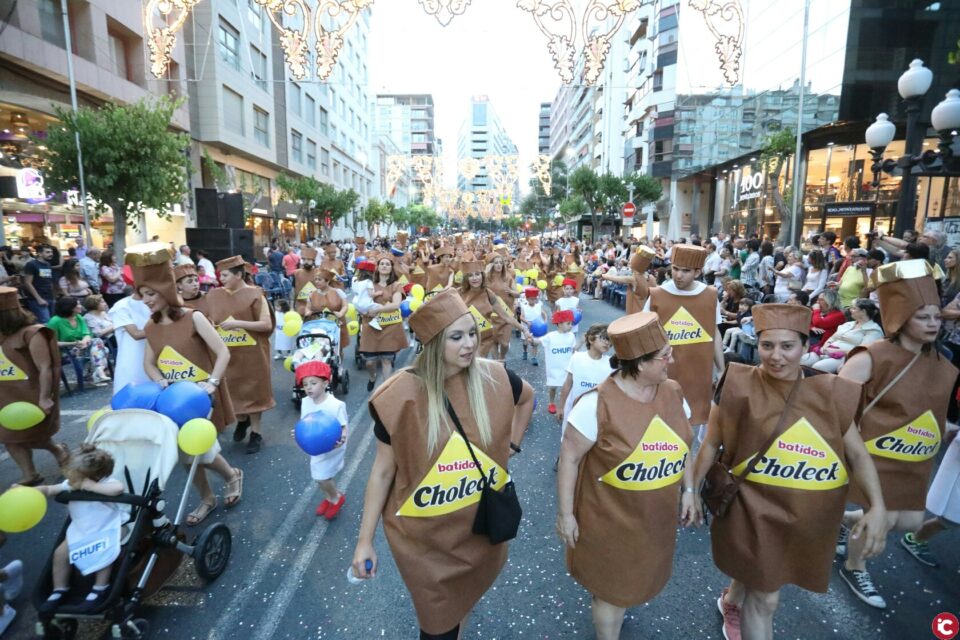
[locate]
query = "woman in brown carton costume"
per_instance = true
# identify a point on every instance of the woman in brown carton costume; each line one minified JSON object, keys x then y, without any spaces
{"x":326,"y":298}
{"x":639,"y":282}
{"x":332,"y":263}
{"x":30,"y":372}
{"x":188,"y":286}
{"x":484,"y":304}
{"x":501,"y":282}
{"x":244,"y":322}
{"x":420,"y":455}
{"x":622,"y":466}
{"x":781,"y":526}
{"x":303,"y":279}
{"x":183,"y":345}
{"x":380,"y":345}
{"x":440,"y":276}
{"x":908,"y":383}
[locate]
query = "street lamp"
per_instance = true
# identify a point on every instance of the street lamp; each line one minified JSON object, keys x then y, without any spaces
{"x":913,"y":85}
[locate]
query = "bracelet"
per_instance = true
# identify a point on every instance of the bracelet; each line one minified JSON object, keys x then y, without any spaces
{"x":515,"y":448}
{"x":689,"y":490}
{"x":214,"y":381}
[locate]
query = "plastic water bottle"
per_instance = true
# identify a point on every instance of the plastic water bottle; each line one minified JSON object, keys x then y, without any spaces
{"x":352,"y":579}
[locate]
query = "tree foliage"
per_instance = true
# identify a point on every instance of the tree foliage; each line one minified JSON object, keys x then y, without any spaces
{"x":777,"y":147}
{"x":132,"y":161}
{"x":327,"y":201}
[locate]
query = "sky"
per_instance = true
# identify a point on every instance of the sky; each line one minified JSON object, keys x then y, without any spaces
{"x":493,"y":49}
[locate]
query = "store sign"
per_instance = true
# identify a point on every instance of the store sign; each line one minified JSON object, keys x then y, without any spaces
{"x":30,"y":186}
{"x":849,"y":209}
{"x":750,"y":187}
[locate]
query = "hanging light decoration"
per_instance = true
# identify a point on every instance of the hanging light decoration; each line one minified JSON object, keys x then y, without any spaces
{"x":726,"y":22}
{"x":294,"y":42}
{"x":329,"y":42}
{"x":162,"y":40}
{"x":444,"y":10}
{"x":469,"y":168}
{"x":542,"y":169}
{"x":396,"y":168}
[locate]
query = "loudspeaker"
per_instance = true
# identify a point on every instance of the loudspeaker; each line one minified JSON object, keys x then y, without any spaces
{"x":8,"y":187}
{"x":208,"y":208}
{"x":222,"y":243}
{"x":231,"y":209}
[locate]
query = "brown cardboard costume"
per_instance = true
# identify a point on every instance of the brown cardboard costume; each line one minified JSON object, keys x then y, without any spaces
{"x":903,"y":431}
{"x":628,"y":486}
{"x":303,"y":279}
{"x":438,"y":275}
{"x":639,"y":290}
{"x":391,"y":337}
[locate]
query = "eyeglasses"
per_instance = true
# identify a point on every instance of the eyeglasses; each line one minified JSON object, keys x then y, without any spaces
{"x":666,"y":356}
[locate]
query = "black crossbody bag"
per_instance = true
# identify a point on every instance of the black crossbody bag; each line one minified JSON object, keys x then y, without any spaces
{"x":498,"y":513}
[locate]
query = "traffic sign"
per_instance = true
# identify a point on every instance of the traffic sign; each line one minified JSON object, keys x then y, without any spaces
{"x":628,"y":210}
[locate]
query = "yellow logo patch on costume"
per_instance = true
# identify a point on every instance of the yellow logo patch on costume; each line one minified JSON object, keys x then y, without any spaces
{"x":388,"y":318}
{"x":458,"y":277}
{"x":453,"y":482}
{"x":914,"y":442}
{"x":682,"y":329}
{"x":305,"y":292}
{"x":437,"y":289}
{"x":658,"y":461}
{"x":176,"y":368}
{"x":235,"y":337}
{"x":10,"y":372}
{"x":403,"y":281}
{"x":482,"y":323}
{"x":799,"y":459}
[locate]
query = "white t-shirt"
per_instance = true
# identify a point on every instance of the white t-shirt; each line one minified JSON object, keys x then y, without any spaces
{"x":327,"y":465}
{"x":129,"y":366}
{"x":586,"y":374}
{"x":698,"y":288}
{"x":583,"y":416}
{"x":364,"y":291}
{"x":557,"y":351}
{"x":531,"y":313}
{"x":569,"y":304}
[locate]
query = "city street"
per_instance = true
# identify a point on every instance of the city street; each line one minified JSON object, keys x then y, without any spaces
{"x":286,"y":577}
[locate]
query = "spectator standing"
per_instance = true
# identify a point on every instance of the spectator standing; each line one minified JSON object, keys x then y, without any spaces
{"x":183,"y":257}
{"x":111,"y":278}
{"x":204,"y":261}
{"x":71,"y":284}
{"x":89,"y":266}
{"x":291,"y":261}
{"x":750,"y":272}
{"x":38,"y":283}
{"x":80,"y":251}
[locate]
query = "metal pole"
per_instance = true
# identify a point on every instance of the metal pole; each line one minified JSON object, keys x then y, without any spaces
{"x":906,"y":217}
{"x":795,"y":204}
{"x":73,"y":102}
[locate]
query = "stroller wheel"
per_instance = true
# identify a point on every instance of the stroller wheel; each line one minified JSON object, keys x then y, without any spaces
{"x":345,"y":382}
{"x":60,"y":629}
{"x":211,"y":551}
{"x":135,"y":629}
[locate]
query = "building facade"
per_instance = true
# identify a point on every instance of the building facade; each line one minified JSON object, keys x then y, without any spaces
{"x":481,"y":135}
{"x":543,"y":129}
{"x":409,"y":120}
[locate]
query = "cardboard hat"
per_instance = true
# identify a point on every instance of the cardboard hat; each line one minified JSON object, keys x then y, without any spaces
{"x":232,"y":262}
{"x":642,"y":258}
{"x":688,"y":256}
{"x":436,"y":314}
{"x":531,"y":292}
{"x":9,"y":298}
{"x":903,"y":287}
{"x":330,"y":248}
{"x":403,"y":238}
{"x":443,"y":251}
{"x":569,"y":282}
{"x":458,"y":238}
{"x":327,"y":274}
{"x":150,"y":264}
{"x":562,"y":316}
{"x":794,"y":317}
{"x":471,"y":266}
{"x":308,"y":253}
{"x":637,"y":335}
{"x":181,"y":271}
{"x":317,"y":368}
{"x":360,"y":240}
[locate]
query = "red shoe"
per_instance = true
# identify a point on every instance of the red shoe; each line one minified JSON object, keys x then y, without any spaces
{"x":323,"y":507}
{"x":334,"y":507}
{"x":551,"y":408}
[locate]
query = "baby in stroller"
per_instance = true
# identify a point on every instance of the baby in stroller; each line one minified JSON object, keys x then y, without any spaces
{"x":93,"y":537}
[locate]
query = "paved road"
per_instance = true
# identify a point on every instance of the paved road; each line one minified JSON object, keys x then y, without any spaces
{"x":286,"y":577}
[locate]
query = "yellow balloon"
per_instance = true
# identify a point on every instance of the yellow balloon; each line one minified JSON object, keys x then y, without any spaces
{"x":19,"y":416}
{"x":557,"y":280}
{"x":96,"y":416}
{"x":415,"y":304}
{"x":417,"y":292}
{"x":516,"y":272}
{"x":197,"y":436}
{"x":288,"y":363}
{"x":353,"y":327}
{"x":292,"y":323}
{"x":351,"y":312}
{"x":541,"y":284}
{"x":532,"y":274}
{"x":21,"y":508}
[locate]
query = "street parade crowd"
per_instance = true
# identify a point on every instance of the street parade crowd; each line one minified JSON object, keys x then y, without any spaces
{"x":798,"y":399}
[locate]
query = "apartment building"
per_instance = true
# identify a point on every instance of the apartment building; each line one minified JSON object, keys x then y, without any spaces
{"x":409,"y":119}
{"x":543,"y":129}
{"x":481,"y":135}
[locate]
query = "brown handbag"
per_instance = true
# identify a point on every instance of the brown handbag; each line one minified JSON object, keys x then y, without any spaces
{"x":720,"y":485}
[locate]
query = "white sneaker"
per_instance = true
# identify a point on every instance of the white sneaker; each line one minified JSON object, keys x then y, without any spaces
{"x":13,"y":585}
{"x":375,"y":324}
{"x":9,"y":613}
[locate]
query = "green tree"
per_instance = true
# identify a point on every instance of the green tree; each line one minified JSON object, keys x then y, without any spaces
{"x":132,"y":161}
{"x":375,"y":213}
{"x":326,"y":200}
{"x":646,"y":189}
{"x":777,"y":147}
{"x":400,"y":217}
{"x":423,"y":216}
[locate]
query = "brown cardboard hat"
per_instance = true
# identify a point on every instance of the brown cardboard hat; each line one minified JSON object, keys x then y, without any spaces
{"x":308,"y":253}
{"x":9,"y":298}
{"x":230,"y":263}
{"x":360,"y":240}
{"x":443,"y":251}
{"x":471,"y":266}
{"x":330,"y":248}
{"x":642,"y":258}
{"x":636,"y":335}
{"x":458,"y":238}
{"x":794,"y":317}
{"x":688,"y":256}
{"x":402,"y":238}
{"x":150,"y":264}
{"x":903,"y":287}
{"x":436,"y":314}
{"x":181,"y":271}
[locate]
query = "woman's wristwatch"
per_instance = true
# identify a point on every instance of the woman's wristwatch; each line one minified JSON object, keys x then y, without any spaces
{"x":214,"y":381}
{"x":515,"y":448}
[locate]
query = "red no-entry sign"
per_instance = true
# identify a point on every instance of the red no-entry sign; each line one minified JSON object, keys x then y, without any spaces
{"x":628,"y":210}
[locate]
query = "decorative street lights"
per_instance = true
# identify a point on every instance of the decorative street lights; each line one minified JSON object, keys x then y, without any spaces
{"x":945,"y":117}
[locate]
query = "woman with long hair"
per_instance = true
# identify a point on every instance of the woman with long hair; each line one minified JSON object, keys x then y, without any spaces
{"x":950,"y":285}
{"x":381,"y":333}
{"x":483,"y":303}
{"x":499,"y":280}
{"x":71,"y":284}
{"x":111,"y":278}
{"x":817,"y":274}
{"x":863,"y":329}
{"x":451,"y":402}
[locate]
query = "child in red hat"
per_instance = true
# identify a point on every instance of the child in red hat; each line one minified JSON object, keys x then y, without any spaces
{"x":558,"y":346}
{"x":531,"y":310}
{"x":315,"y":375}
{"x":570,"y":301}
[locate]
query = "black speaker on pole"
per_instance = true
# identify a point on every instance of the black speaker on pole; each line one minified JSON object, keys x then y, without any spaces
{"x":231,"y":210}
{"x":221,"y":243}
{"x":208,"y":208}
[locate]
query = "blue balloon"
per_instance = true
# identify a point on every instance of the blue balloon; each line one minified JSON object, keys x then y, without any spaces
{"x":520,"y":279}
{"x":317,"y":433}
{"x":405,"y":308}
{"x":184,"y":401}
{"x":141,"y":395}
{"x":359,"y":259}
{"x":397,"y":252}
{"x":538,"y":328}
{"x":577,"y":316}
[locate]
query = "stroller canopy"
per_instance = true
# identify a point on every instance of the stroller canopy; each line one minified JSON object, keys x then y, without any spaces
{"x":142,"y":441}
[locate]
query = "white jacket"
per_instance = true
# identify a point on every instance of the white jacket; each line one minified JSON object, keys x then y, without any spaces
{"x":849,"y":335}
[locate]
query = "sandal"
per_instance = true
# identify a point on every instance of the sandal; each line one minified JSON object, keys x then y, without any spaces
{"x":32,"y":482}
{"x":234,"y":490}
{"x":200,"y":514}
{"x":64,"y":456}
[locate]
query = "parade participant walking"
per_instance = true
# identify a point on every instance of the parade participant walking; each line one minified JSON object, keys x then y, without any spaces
{"x":558,"y":346}
{"x":334,"y":264}
{"x":793,"y":454}
{"x":380,"y":343}
{"x":188,"y":286}
{"x":499,"y":281}
{"x":181,"y":344}
{"x":438,"y":416}
{"x":531,"y":310}
{"x":303,"y":279}
{"x":440,"y":276}
{"x":690,"y":315}
{"x":903,"y":422}
{"x":620,"y":532}
{"x":244,"y":322}
{"x":129,"y":316}
{"x":315,"y":375}
{"x":639,"y":282}
{"x":585,"y":370}
{"x":327,"y":299}
{"x":30,"y":373}
{"x":483,"y":303}
{"x":570,"y":301}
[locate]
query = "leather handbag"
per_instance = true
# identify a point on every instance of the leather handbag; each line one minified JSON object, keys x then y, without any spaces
{"x":721,"y":485}
{"x":499,"y":512}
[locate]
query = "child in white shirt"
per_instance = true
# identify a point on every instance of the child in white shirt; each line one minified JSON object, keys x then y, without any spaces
{"x":558,"y":348}
{"x":315,"y":375}
{"x":586,"y":370}
{"x":363,"y":288}
{"x":531,"y":310}
{"x":570,"y":300}
{"x":283,"y":345}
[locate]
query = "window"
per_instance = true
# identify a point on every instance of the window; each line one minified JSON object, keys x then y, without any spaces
{"x":343,"y":108}
{"x":324,"y":162}
{"x":311,"y":111}
{"x":335,"y":136}
{"x":296,"y":95}
{"x":229,"y":44}
{"x":51,"y":23}
{"x":233,"y":110}
{"x":658,"y":81}
{"x":311,"y":154}
{"x":324,"y":122}
{"x":255,"y":15}
{"x":259,"y":71}
{"x":118,"y":55}
{"x":296,"y":143}
{"x":353,"y":120}
{"x":261,"y":126}
{"x":479,"y":114}
{"x":336,"y":171}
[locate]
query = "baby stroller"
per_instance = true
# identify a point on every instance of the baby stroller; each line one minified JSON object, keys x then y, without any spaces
{"x":319,"y":339}
{"x":144,"y":448}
